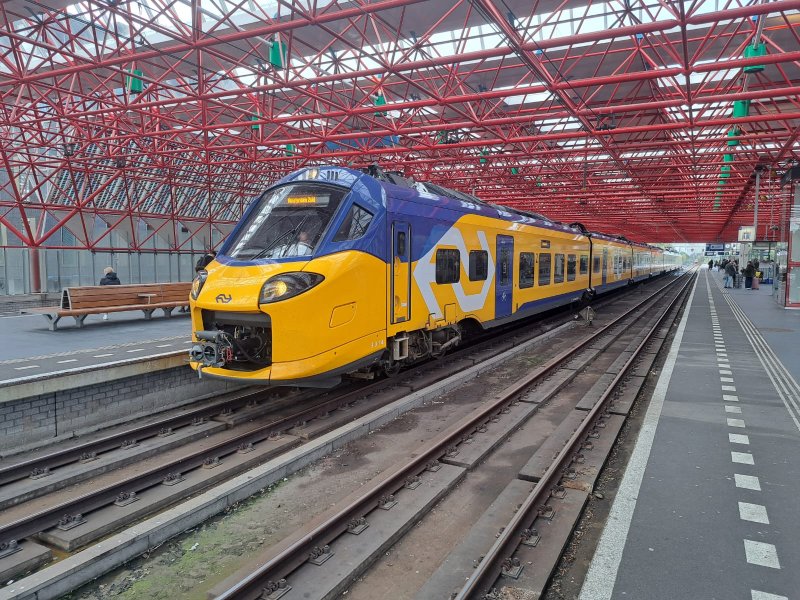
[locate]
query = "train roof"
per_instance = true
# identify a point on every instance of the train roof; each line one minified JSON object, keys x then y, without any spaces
{"x":448,"y":198}
{"x":459,"y":200}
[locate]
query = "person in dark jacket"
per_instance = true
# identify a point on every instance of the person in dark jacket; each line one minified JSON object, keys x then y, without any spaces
{"x":205,"y":260}
{"x":710,"y":265}
{"x":749,"y":273}
{"x":730,"y":275}
{"x":109,"y":278}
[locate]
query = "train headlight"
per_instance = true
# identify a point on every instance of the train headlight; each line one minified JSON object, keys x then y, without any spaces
{"x":197,"y":284}
{"x":287,"y":285}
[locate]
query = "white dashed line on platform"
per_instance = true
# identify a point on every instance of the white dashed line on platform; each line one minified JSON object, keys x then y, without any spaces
{"x":26,"y":367}
{"x":756,"y":595}
{"x":753,"y":512}
{"x":136,"y":350}
{"x":742,"y":458}
{"x":103,"y":355}
{"x":747,"y":482}
{"x":738,"y":438}
{"x":733,"y":409}
{"x":725,"y":388}
{"x":164,"y":346}
{"x":730,"y":398}
{"x":762,"y":554}
{"x":735,"y":423}
{"x":69,"y":360}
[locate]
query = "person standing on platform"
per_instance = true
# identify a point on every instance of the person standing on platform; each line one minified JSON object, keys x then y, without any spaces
{"x":109,"y":278}
{"x":730,"y":274}
{"x":710,"y":265}
{"x":749,"y":273}
{"x":205,"y":260}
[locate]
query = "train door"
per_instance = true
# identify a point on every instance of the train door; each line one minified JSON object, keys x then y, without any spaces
{"x":401,"y":272}
{"x":605,"y":266}
{"x":504,"y":276}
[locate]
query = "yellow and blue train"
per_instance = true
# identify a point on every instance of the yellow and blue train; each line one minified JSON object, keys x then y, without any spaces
{"x":334,"y":271}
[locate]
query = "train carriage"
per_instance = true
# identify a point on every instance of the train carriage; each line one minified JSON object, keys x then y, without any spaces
{"x":334,"y":271}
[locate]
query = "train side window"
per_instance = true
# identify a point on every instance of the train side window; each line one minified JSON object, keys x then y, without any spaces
{"x":558,"y":270}
{"x":478,"y":265}
{"x":544,"y":268}
{"x":572,"y":262}
{"x":355,"y":224}
{"x":596,"y":264}
{"x":526,"y":261}
{"x":448,"y":266}
{"x":584,"y":264}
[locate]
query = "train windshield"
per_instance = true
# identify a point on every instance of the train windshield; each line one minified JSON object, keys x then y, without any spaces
{"x":288,"y":221}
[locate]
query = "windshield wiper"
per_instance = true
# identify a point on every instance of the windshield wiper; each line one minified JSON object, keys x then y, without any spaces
{"x":294,"y":231}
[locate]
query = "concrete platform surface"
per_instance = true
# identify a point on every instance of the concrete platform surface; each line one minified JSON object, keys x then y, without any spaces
{"x":708,"y":504}
{"x":29,"y":350}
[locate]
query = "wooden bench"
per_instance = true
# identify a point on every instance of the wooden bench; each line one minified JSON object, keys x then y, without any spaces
{"x":80,"y":302}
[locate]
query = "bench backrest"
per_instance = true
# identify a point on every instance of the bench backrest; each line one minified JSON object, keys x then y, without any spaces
{"x":98,"y":296}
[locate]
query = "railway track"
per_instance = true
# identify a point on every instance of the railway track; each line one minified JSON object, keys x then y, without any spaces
{"x":294,"y":567}
{"x":75,"y":510}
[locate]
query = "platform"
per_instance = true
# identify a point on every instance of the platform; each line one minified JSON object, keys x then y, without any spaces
{"x":56,"y":385}
{"x":30,"y":351}
{"x":708,"y":504}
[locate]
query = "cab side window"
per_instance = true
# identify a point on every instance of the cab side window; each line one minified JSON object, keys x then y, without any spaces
{"x":355,"y":224}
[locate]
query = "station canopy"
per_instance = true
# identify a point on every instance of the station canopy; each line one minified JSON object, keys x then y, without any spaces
{"x":164,"y":118}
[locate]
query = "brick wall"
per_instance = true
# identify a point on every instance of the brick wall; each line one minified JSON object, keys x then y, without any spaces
{"x":30,"y":421}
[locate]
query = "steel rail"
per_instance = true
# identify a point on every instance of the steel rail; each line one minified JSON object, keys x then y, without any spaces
{"x":59,"y":458}
{"x":49,"y":517}
{"x":292,"y":552}
{"x":490,"y":567}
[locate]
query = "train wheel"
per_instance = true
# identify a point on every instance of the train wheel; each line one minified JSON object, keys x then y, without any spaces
{"x":392,"y":369}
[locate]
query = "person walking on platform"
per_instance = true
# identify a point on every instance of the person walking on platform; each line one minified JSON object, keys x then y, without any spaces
{"x":710,"y":265}
{"x":730,"y":275}
{"x":749,"y":273}
{"x":109,"y":278}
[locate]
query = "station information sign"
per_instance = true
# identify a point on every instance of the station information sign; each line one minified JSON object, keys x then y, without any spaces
{"x":715,"y":248}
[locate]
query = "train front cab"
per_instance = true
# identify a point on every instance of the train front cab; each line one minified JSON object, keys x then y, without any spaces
{"x":275,"y":308}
